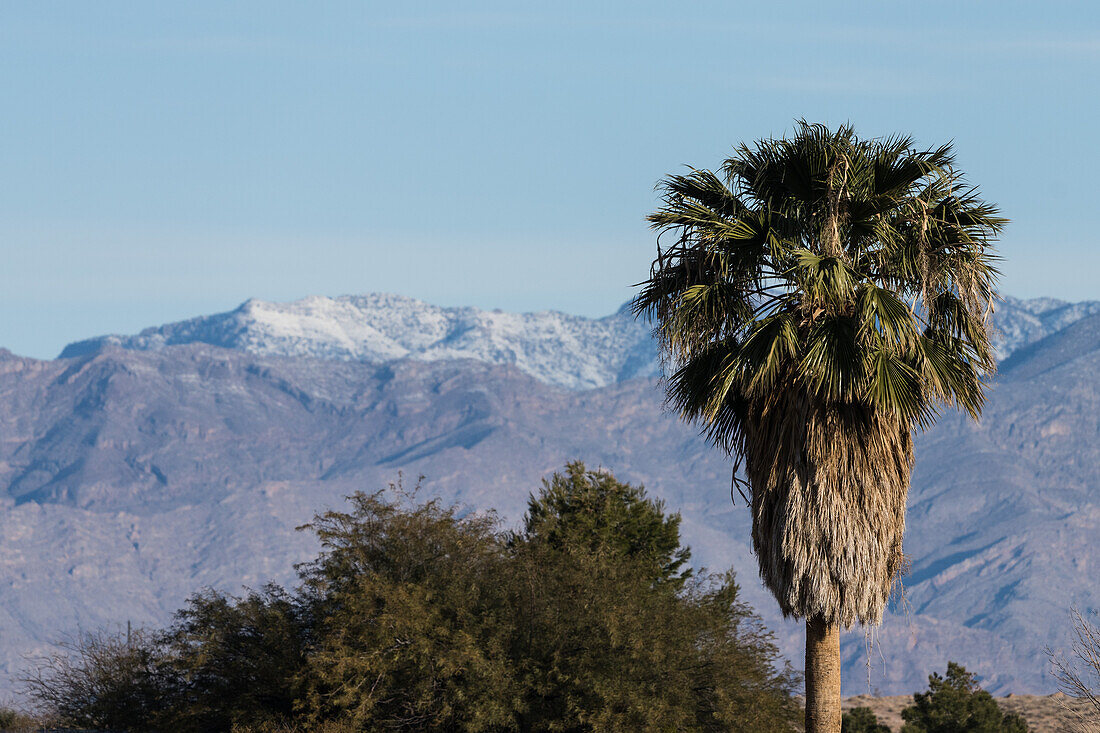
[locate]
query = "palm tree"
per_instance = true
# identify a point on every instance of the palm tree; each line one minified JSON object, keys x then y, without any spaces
{"x":823,"y":296}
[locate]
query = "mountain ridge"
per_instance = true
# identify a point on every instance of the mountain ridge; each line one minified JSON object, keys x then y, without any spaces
{"x":132,"y":477}
{"x":554,"y":347}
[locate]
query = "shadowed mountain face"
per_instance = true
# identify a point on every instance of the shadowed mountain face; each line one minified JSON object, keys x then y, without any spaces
{"x":131,"y":477}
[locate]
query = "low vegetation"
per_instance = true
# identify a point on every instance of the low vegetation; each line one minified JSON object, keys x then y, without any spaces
{"x":861,"y":720}
{"x":16,"y":721}
{"x":1079,"y":675}
{"x":416,"y":616}
{"x":956,"y":704}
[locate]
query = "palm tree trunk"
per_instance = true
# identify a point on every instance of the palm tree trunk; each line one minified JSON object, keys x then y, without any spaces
{"x":822,"y":676}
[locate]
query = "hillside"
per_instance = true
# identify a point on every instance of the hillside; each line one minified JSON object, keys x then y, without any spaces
{"x":133,"y":472}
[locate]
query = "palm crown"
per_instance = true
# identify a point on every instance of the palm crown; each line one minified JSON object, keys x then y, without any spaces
{"x":857,"y":269}
{"x":823,"y":295}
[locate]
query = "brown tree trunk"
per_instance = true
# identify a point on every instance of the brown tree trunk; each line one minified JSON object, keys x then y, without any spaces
{"x":822,"y":676}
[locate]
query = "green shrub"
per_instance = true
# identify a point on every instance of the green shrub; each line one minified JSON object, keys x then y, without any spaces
{"x":862,"y":720}
{"x":234,"y":660}
{"x":956,"y":704}
{"x":411,"y":614}
{"x":615,"y":634}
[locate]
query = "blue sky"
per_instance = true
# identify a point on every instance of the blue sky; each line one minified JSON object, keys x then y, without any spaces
{"x":163,"y":160}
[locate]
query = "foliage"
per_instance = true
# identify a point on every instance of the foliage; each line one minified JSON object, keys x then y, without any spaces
{"x":593,"y":513}
{"x":15,"y":721}
{"x":862,"y":720}
{"x":411,"y":617}
{"x":416,"y":616}
{"x":115,"y":681}
{"x":614,"y":637}
{"x":234,"y":660}
{"x":1079,"y":677}
{"x":956,"y":704}
{"x":856,"y":271}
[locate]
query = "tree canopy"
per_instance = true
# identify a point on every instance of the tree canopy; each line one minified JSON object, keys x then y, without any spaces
{"x":591,"y":512}
{"x":420,"y":616}
{"x":857,"y":270}
{"x":862,"y":720}
{"x":955,"y":703}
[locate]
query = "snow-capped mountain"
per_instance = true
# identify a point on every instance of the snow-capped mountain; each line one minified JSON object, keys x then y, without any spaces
{"x":555,"y":348}
{"x":1023,"y":322}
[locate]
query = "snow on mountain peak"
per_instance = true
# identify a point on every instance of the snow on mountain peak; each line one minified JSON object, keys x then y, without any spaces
{"x":568,"y":351}
{"x":1023,"y":322}
{"x":560,"y":349}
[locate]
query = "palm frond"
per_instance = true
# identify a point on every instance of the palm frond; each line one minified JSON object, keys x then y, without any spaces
{"x":886,"y":316}
{"x":894,"y":387}
{"x":833,"y":364}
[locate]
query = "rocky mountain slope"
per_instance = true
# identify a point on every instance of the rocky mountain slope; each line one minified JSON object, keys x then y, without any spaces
{"x":136,"y":470}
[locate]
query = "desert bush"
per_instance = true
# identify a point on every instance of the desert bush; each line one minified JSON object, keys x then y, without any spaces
{"x":616,"y":634}
{"x":956,"y":703}
{"x":861,"y":720}
{"x":329,"y":726}
{"x":106,"y":680}
{"x":233,"y":660}
{"x":591,"y":513}
{"x":411,"y":617}
{"x":1079,"y":675}
{"x":14,"y":721}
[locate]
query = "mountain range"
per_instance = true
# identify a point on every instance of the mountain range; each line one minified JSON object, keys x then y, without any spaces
{"x":555,"y":348}
{"x":135,"y":470}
